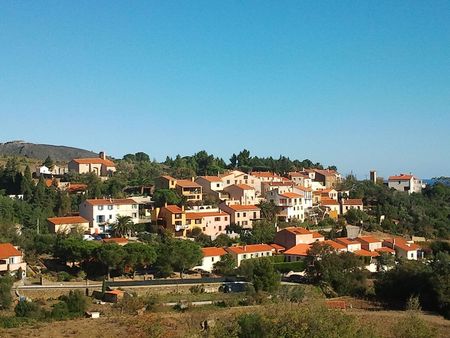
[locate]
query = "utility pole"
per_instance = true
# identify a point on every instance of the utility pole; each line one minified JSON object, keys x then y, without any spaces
{"x":37,"y":226}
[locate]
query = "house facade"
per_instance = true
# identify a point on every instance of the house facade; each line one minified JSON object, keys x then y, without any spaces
{"x":11,"y":259}
{"x":290,"y":205}
{"x":100,"y":166}
{"x":211,"y":255}
{"x":102,"y":213}
{"x":212,"y":222}
{"x":67,"y":224}
{"x":405,"y":183}
{"x":243,"y":194}
{"x":241,"y":253}
{"x":242,"y":215}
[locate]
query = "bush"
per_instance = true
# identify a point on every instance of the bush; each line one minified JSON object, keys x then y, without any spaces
{"x":76,"y":302}
{"x":60,"y":311}
{"x":286,"y":267}
{"x":413,"y":327}
{"x":6,"y":283}
{"x":12,"y":322}
{"x":63,"y":276}
{"x":28,"y":310}
{"x":197,"y":289}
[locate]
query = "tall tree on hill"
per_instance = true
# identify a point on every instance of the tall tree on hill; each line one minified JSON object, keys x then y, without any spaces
{"x":26,"y":184}
{"x":49,"y":162}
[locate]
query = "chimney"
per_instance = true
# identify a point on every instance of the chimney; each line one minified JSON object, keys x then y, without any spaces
{"x":192,"y":179}
{"x":165,"y":204}
{"x":102,"y":155}
{"x":182,"y":208}
{"x":245,"y":247}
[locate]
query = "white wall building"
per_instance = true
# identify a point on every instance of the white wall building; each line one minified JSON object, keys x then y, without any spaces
{"x":103,"y":213}
{"x":406,"y":183}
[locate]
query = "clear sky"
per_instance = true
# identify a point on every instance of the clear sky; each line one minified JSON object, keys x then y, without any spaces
{"x":359,"y":84}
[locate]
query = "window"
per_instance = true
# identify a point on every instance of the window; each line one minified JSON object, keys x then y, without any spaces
{"x":218,"y":185}
{"x":254,"y":214}
{"x":100,"y":218}
{"x":244,"y":214}
{"x":226,"y":218}
{"x":217,"y":219}
{"x":220,"y":228}
{"x":134,"y":215}
{"x":244,"y":222}
{"x":177,"y":216}
{"x":244,"y":256}
{"x":198,"y":221}
{"x":134,"y":206}
{"x":212,"y":259}
{"x":100,"y":207}
{"x":228,"y":181}
{"x":110,"y":207}
{"x":110,"y":216}
{"x":204,"y":229}
{"x":238,"y":215}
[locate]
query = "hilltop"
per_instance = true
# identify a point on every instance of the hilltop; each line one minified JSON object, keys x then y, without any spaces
{"x":41,"y":151}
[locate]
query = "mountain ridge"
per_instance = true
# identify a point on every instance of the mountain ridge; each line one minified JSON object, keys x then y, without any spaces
{"x":41,"y":151}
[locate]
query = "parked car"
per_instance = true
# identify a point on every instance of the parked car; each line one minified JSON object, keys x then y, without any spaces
{"x":88,"y":237}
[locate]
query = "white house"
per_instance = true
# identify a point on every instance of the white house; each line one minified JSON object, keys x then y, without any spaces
{"x":102,"y":213}
{"x":244,"y":194}
{"x":244,"y":252}
{"x":11,"y":259}
{"x":211,"y":255}
{"x":406,"y":183}
{"x":290,"y":205}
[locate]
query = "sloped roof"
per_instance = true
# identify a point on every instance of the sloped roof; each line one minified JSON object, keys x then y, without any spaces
{"x":174,"y":209}
{"x":213,"y":251}
{"x":104,"y":201}
{"x":401,"y":177}
{"x":239,"y":207}
{"x":212,"y":178}
{"x":252,"y":248}
{"x":94,"y":160}
{"x":290,"y":195}
{"x":8,"y":250}
{"x":67,"y":220}
{"x":335,"y":245}
{"x":367,"y":239}
{"x":198,"y":215}
{"x":298,"y":250}
{"x":352,"y":201}
{"x":366,"y":253}
{"x":188,"y":184}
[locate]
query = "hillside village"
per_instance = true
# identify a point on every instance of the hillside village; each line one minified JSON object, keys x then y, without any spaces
{"x":89,"y":219}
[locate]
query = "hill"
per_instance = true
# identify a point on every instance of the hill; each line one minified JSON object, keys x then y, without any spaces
{"x":41,"y":151}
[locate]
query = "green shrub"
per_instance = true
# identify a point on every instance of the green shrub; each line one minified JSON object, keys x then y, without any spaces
{"x":197,"y":289}
{"x":289,"y":266}
{"x":63,"y":276}
{"x":60,"y":311}
{"x":76,"y":302}
{"x":28,"y":310}
{"x":12,"y":322}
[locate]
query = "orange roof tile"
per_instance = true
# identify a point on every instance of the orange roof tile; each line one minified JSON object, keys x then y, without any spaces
{"x":326,"y":172}
{"x":401,"y":177}
{"x":174,"y":209}
{"x":366,"y":253}
{"x":354,"y":201}
{"x":316,"y":235}
{"x":263,"y":174}
{"x":104,"y":201}
{"x":347,"y":241}
{"x":385,"y":249}
{"x":403,"y":244}
{"x":335,"y":245}
{"x":367,"y":239}
{"x":277,"y":247}
{"x":212,"y":178}
{"x":67,"y":220}
{"x":252,"y":248}
{"x":298,"y":250}
{"x":188,"y":184}
{"x":77,"y":187}
{"x":303,"y":188}
{"x":297,"y":174}
{"x":244,"y":186}
{"x":291,"y":195}
{"x":8,"y":250}
{"x":197,"y":215}
{"x":298,"y":231}
{"x":239,"y":207}
{"x":94,"y":160}
{"x":329,"y":202}
{"x":213,"y":251}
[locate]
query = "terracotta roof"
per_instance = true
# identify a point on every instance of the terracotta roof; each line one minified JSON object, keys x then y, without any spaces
{"x":212,"y":178}
{"x":367,"y":239}
{"x":366,"y":253}
{"x":239,"y":207}
{"x":213,"y":251}
{"x":8,"y":250}
{"x":298,"y":250}
{"x":263,"y":174}
{"x":316,"y":235}
{"x":252,"y":248}
{"x":278,"y":184}
{"x":403,"y":244}
{"x":67,"y":220}
{"x":188,"y":184}
{"x":174,"y":209}
{"x":299,"y":187}
{"x":197,"y":215}
{"x":347,"y":241}
{"x":169,"y":178}
{"x":118,"y":240}
{"x":77,"y":187}
{"x":104,"y":201}
{"x":354,"y":201}
{"x":401,"y":177}
{"x":335,"y":245}
{"x":244,"y":186}
{"x":329,"y":202}
{"x":298,"y":231}
{"x":115,"y":292}
{"x":290,"y":195}
{"x":277,"y":247}
{"x":385,"y":249}
{"x":94,"y":160}
{"x":297,"y":174}
{"x":326,"y":172}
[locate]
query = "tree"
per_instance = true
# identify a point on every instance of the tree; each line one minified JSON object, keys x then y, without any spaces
{"x":138,"y":255}
{"x":226,"y":266}
{"x":178,"y":255}
{"x":123,"y":226}
{"x":261,"y":232}
{"x":26,"y":184}
{"x":111,"y":255}
{"x":6,"y":283}
{"x":163,"y":196}
{"x":222,"y":240}
{"x":261,"y":273}
{"x":49,"y":162}
{"x":268,"y":211}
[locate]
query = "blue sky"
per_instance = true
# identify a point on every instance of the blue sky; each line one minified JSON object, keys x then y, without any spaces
{"x":359,"y":84}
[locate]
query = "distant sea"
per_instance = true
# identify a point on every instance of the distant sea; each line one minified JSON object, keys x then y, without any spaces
{"x":431,"y":181}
